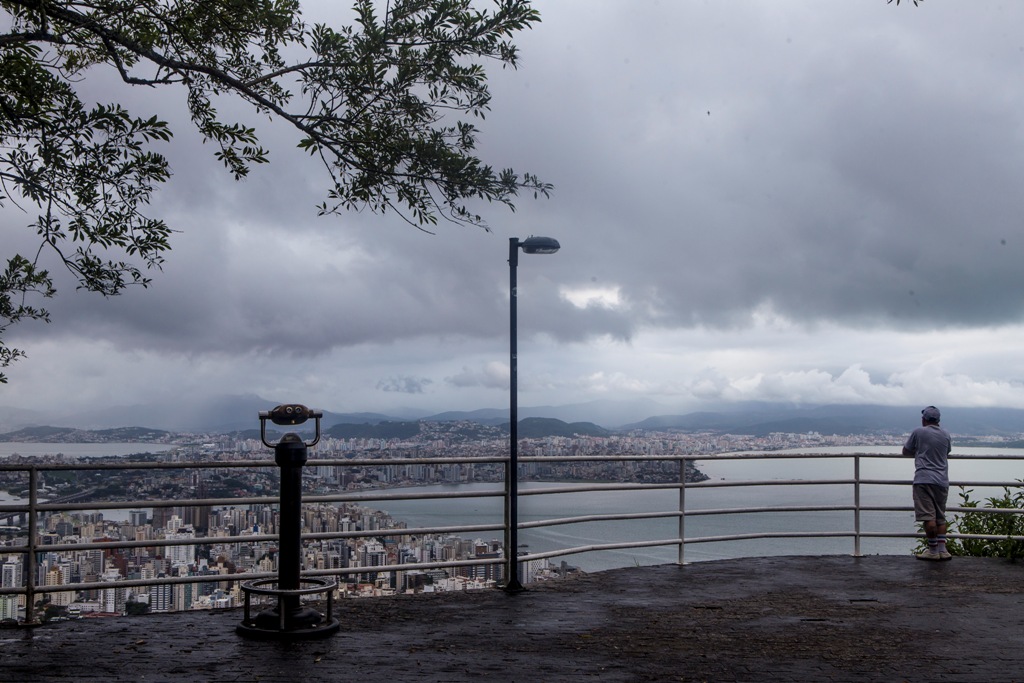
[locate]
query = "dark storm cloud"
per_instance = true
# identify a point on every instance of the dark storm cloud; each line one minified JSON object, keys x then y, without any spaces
{"x":830,"y":173}
{"x":834,"y":163}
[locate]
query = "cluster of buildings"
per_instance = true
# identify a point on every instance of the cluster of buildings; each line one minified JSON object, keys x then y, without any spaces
{"x":188,"y":543}
{"x":201,"y":554}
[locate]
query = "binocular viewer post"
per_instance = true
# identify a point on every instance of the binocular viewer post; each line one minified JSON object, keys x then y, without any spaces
{"x":289,"y":620}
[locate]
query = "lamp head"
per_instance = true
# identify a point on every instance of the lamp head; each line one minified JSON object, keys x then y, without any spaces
{"x":540,"y":245}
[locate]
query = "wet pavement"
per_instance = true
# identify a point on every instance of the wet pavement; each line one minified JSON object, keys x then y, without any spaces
{"x":835,"y":618}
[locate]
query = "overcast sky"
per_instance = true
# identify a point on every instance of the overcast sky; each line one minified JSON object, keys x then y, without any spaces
{"x":765,"y":200}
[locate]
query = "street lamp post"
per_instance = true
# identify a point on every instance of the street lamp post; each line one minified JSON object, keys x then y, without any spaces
{"x":531,"y":245}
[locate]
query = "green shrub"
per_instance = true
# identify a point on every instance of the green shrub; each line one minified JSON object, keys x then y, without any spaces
{"x":991,"y":524}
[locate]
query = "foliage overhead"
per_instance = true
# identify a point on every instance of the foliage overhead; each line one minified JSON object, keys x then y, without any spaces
{"x":386,"y":105}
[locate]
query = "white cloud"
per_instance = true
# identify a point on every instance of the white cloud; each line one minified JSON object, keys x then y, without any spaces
{"x":584,"y":297}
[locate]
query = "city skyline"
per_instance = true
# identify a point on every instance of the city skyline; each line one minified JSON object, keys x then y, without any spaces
{"x":230,"y":541}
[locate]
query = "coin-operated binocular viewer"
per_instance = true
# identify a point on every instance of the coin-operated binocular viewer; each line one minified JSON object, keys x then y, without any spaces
{"x":289,"y":620}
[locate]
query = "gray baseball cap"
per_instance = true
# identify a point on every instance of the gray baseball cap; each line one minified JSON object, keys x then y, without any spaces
{"x":931,"y":414}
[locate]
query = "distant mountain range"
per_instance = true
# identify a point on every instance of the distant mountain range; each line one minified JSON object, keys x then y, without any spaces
{"x":465,"y":430}
{"x":228,"y":414}
{"x":232,"y":414}
{"x":531,"y":427}
{"x":762,"y":419}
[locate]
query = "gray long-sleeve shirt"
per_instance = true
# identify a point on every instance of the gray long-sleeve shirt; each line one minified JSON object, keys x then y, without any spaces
{"x":930,"y":445}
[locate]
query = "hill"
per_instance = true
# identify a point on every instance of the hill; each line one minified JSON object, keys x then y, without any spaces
{"x":379,"y":430}
{"x":762,"y":420}
{"x":540,"y":427}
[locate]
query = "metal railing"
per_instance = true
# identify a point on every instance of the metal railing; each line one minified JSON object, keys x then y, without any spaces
{"x":35,"y":508}
{"x":857,"y":508}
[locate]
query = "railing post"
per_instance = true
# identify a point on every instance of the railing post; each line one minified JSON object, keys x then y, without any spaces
{"x":856,"y":505}
{"x":682,"y":508}
{"x":33,"y":540}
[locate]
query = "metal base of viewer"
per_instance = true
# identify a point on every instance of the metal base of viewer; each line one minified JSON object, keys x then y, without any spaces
{"x":288,"y":621}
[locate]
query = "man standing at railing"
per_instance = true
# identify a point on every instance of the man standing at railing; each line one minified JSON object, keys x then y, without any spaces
{"x":930,"y":445}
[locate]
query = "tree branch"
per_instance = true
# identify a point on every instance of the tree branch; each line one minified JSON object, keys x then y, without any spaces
{"x":30,"y":37}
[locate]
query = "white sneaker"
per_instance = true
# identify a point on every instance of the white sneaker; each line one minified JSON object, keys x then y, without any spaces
{"x":930,"y":555}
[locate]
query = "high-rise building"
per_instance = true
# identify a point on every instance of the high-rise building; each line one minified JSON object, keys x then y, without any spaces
{"x":60,"y":575}
{"x":137,"y":517}
{"x":11,"y":578}
{"x":372,"y":554}
{"x":181,"y":555}
{"x":184,"y":594}
{"x":90,"y":563}
{"x":112,"y":599}
{"x":198,"y":516}
{"x":161,"y":597}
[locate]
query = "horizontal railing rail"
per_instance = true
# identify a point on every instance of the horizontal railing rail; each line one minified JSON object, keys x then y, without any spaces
{"x":857,"y":507}
{"x":35,"y":507}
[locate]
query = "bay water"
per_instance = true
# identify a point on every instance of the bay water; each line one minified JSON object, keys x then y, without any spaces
{"x":453,"y":512}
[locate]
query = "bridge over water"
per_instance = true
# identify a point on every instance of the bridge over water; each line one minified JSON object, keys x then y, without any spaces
{"x":20,"y":519}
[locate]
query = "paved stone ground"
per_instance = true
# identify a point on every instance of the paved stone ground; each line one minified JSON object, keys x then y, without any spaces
{"x":878,"y":618}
